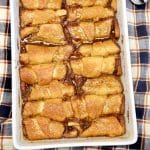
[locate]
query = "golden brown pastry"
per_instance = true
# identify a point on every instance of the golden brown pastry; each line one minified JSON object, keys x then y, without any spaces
{"x":36,"y":17}
{"x":87,"y":2}
{"x":91,"y":106}
{"x":93,"y":66}
{"x":105,"y":126}
{"x":116,"y":29}
{"x":93,"y":13}
{"x":103,"y":28}
{"x":42,"y":4}
{"x":114,"y":4}
{"x":50,"y":33}
{"x":44,"y":54}
{"x":86,"y":32}
{"x":104,"y":85}
{"x":39,"y":128}
{"x":55,"y":109}
{"x":105,"y":48}
{"x":28,"y":31}
{"x":55,"y":89}
{"x":42,"y":74}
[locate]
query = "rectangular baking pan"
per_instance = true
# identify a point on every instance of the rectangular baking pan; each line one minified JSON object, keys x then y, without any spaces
{"x":130,"y":136}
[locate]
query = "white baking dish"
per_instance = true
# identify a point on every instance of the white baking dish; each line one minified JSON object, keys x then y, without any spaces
{"x":130,"y":118}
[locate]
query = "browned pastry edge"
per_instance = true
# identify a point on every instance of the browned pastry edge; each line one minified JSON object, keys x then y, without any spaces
{"x":116,"y":29}
{"x":111,"y":35}
{"x":121,"y":119}
{"x":25,"y":91}
{"x":122,"y":109}
{"x":118,"y":68}
{"x":25,"y":37}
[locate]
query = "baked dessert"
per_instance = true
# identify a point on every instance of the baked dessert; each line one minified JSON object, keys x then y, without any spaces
{"x":42,"y":128}
{"x":70,"y":69}
{"x":56,"y":89}
{"x":104,"y":85}
{"x":37,"y":128}
{"x":89,"y":106}
{"x":50,"y":33}
{"x":35,"y":54}
{"x":42,"y":74}
{"x":94,"y":66}
{"x":86,"y":32}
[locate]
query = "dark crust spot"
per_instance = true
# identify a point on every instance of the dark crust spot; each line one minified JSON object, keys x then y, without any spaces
{"x":79,"y":83}
{"x":25,"y":91}
{"x":22,"y":47}
{"x":118,"y":70}
{"x":85,"y":124}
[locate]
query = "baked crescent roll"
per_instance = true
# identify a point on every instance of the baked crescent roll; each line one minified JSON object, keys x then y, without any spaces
{"x":87,"y":2}
{"x":88,"y":106}
{"x":93,"y":106}
{"x":86,"y":32}
{"x":55,"y":109}
{"x":42,"y":4}
{"x":36,"y":17}
{"x":55,"y":89}
{"x":103,"y":28}
{"x":93,"y":13}
{"x":44,"y":54}
{"x":39,"y":128}
{"x":93,"y":66}
{"x":50,"y":33}
{"x":104,"y":85}
{"x":105,"y":126}
{"x":105,"y":48}
{"x":42,"y":74}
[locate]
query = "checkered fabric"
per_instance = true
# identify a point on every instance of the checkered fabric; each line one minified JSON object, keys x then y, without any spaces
{"x":139,"y":35}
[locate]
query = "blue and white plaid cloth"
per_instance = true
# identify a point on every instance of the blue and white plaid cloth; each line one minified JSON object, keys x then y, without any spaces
{"x":139,"y":35}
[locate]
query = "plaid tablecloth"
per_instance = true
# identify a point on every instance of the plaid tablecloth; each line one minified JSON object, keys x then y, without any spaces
{"x":139,"y":35}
